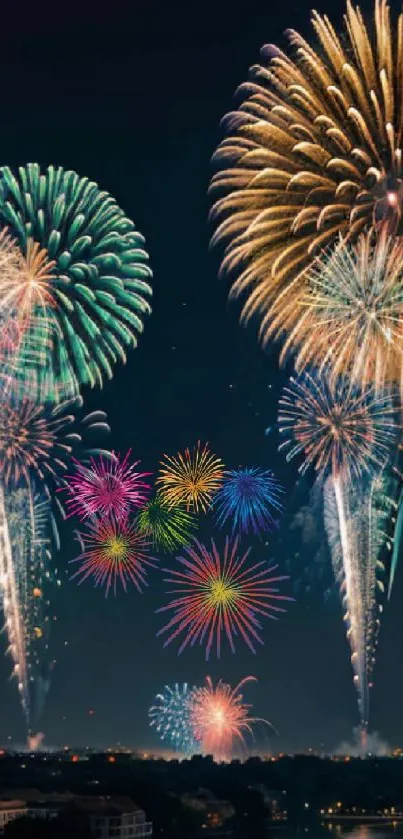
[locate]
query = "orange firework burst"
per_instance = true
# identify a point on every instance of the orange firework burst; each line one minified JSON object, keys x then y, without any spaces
{"x":220,"y":718}
{"x":25,"y":300}
{"x":313,"y":151}
{"x":192,"y":478}
{"x":36,"y":278}
{"x":25,"y":280}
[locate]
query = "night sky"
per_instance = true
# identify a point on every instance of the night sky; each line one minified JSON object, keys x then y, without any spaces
{"x":132,"y":97}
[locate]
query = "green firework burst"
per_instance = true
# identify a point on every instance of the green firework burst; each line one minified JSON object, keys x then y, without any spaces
{"x":97,"y":276}
{"x":168,"y":527}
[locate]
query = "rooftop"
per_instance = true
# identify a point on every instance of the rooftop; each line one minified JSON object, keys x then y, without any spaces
{"x":106,"y":804}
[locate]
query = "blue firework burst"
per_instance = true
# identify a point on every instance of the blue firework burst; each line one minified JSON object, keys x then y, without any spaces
{"x":170,"y":716}
{"x":251,"y":497}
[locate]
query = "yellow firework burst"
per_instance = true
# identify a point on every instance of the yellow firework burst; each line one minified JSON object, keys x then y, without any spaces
{"x":313,"y":151}
{"x":191,"y":478}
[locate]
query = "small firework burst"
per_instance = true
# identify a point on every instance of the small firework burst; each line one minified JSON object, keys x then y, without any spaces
{"x":170,"y":716}
{"x":248,"y":497}
{"x":106,"y":487}
{"x":220,"y":595}
{"x":168,"y":527}
{"x":191,"y":478}
{"x":336,"y":426}
{"x":113,"y":551}
{"x":38,"y":440}
{"x":220,"y":718}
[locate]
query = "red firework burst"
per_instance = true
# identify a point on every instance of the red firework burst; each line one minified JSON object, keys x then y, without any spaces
{"x":107,"y":487}
{"x":219,"y":717}
{"x":112,"y":551}
{"x":220,"y":595}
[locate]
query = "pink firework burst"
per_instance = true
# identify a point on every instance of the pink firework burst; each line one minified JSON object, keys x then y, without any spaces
{"x":107,"y":487}
{"x":220,"y":595}
{"x":113,"y":551}
{"x":220,"y":718}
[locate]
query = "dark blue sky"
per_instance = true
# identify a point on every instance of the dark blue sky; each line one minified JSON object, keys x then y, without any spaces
{"x":132,"y":97}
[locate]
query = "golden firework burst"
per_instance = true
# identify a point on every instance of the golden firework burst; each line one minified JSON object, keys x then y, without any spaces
{"x":313,"y":151}
{"x":191,"y":478}
{"x":25,"y":279}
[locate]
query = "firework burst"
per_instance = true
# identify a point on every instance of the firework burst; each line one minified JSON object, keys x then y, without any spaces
{"x":23,"y":290}
{"x":113,"y":551}
{"x":353,"y":312}
{"x":191,"y":479}
{"x":37,"y":441}
{"x":220,"y":718}
{"x":248,"y":497}
{"x":336,"y":427}
{"x":109,"y":487}
{"x":313,"y":151}
{"x":168,"y":527}
{"x":220,"y":596}
{"x":84,"y":280}
{"x":170,"y":716}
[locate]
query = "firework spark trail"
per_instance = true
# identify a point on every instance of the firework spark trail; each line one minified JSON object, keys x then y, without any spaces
{"x":346,"y":433}
{"x":396,"y":545}
{"x":36,"y":444}
{"x":352,"y":597}
{"x":12,"y":608}
{"x":356,"y":522}
{"x":31,"y":526}
{"x":24,"y":571}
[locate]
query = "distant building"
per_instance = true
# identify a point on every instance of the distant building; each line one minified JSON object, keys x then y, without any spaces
{"x":109,"y":817}
{"x":10,"y":810}
{"x":114,"y":817}
{"x":37,"y":804}
{"x":274,"y":800}
{"x":215,"y":812}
